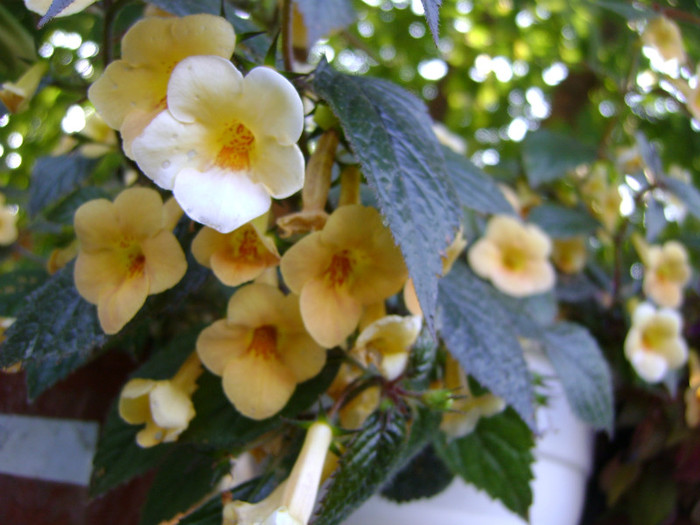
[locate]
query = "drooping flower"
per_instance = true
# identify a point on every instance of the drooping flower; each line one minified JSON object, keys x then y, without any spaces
{"x":132,"y":90}
{"x":227,"y":143}
{"x":387,"y":343}
{"x":664,"y":36}
{"x":513,"y":256}
{"x":292,"y":502}
{"x":667,"y":272}
{"x":165,"y":406}
{"x":8,"y":223}
{"x":351,"y":263}
{"x":236,"y":257}
{"x":569,"y":255}
{"x":127,"y":252}
{"x":16,"y":96}
{"x":42,"y":6}
{"x":261,"y":350}
{"x":654,"y":344}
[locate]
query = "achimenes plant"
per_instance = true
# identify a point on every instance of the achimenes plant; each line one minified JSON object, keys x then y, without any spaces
{"x":320,"y":290}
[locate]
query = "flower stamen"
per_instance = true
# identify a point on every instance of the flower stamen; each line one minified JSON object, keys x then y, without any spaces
{"x":238,"y":142}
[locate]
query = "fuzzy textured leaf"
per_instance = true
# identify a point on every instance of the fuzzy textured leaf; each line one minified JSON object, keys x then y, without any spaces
{"x":561,"y":222}
{"x":496,"y":457}
{"x":14,"y":288}
{"x":548,"y":156}
{"x":390,"y":133}
{"x":323,"y":16}
{"x":54,"y":178}
{"x":432,"y":16}
{"x":477,"y":329}
{"x":425,"y":475}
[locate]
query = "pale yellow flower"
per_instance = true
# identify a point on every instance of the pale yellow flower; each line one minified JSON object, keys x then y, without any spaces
{"x":292,"y":502}
{"x":16,"y":96}
{"x":132,"y":91}
{"x":8,"y":223}
{"x":127,"y":252}
{"x":236,"y":257}
{"x":42,"y":6}
{"x":165,"y":406}
{"x":602,"y":197}
{"x":569,"y":255}
{"x":261,"y":350}
{"x":667,"y":272}
{"x":664,"y":35}
{"x":351,"y":263}
{"x":386,"y":343}
{"x":227,"y":143}
{"x":654,"y":344}
{"x":513,"y":256}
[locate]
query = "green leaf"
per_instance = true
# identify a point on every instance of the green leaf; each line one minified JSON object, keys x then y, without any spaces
{"x":687,"y":193}
{"x":475,"y":189}
{"x":197,"y":474}
{"x":654,"y":219}
{"x":477,"y":329}
{"x":497,"y":458}
{"x":364,"y":466}
{"x":426,"y":475}
{"x":17,"y":47}
{"x":14,"y":288}
{"x":631,"y":11}
{"x":189,"y":7}
{"x":54,"y":178}
{"x":583,"y":371}
{"x":321,"y":17}
{"x":64,"y":211}
{"x":421,"y":361}
{"x":432,"y":12}
{"x":548,"y":156}
{"x":55,"y":332}
{"x":391,"y":134}
{"x":562,"y":222}
{"x":118,"y":458}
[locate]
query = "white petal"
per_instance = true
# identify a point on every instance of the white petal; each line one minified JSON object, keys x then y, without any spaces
{"x":280,"y":169}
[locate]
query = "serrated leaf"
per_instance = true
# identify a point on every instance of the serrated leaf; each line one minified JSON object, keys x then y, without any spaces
{"x":321,"y":17}
{"x":687,"y":193}
{"x":118,"y":458}
{"x":391,"y":134}
{"x":426,"y":475}
{"x":367,"y":461}
{"x":562,"y":222}
{"x":14,"y":288}
{"x":583,"y":372}
{"x":55,"y":332}
{"x":475,"y":189}
{"x":476,"y":328}
{"x":496,"y":457}
{"x":421,"y":361}
{"x":548,"y":156}
{"x":197,"y":474}
{"x":432,"y":16}
{"x":54,"y":9}
{"x":53,"y":178}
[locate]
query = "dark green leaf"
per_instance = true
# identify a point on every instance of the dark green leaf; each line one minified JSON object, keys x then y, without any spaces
{"x":475,"y":189}
{"x":432,"y":16}
{"x":64,"y":210}
{"x":189,"y":7}
{"x":364,"y":466}
{"x":14,"y":288}
{"x":497,"y":458}
{"x":54,"y":178}
{"x":390,"y":132}
{"x":548,"y":156}
{"x":562,"y":222}
{"x":55,"y":332}
{"x":654,"y":219}
{"x":631,"y":11}
{"x":575,"y":288}
{"x":583,"y":371}
{"x":687,"y":193}
{"x":184,"y":478}
{"x":477,"y":329}
{"x":426,"y":475}
{"x":421,"y":361}
{"x":321,"y":17}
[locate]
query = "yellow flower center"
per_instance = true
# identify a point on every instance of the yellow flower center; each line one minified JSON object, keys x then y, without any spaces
{"x":340,"y":268}
{"x":514,"y":258}
{"x":246,"y":245}
{"x":264,"y":342}
{"x":655,"y":334}
{"x":135,"y":260}
{"x":238,"y":142}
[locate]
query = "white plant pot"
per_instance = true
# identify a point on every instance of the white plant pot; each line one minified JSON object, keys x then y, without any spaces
{"x":563,"y":458}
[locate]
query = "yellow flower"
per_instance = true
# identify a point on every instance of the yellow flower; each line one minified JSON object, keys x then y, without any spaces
{"x":42,"y":6}
{"x":165,"y":406}
{"x":16,"y":96}
{"x":569,"y":255}
{"x":387,"y":343}
{"x":127,"y":252}
{"x":602,"y":197}
{"x":292,"y":502}
{"x":351,"y":263}
{"x":227,"y":143}
{"x":132,"y":91}
{"x":8,"y":223}
{"x":236,"y":257}
{"x":664,"y":35}
{"x":692,"y":393}
{"x":654,"y":344}
{"x":667,"y":273}
{"x":261,"y":350}
{"x":513,"y":256}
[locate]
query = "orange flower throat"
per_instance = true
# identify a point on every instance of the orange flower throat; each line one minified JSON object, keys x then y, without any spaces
{"x":238,"y":142}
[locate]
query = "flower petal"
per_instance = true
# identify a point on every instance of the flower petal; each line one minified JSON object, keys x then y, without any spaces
{"x":330,"y":314}
{"x":165,"y":261}
{"x":280,"y":169}
{"x":139,"y":211}
{"x":170,"y":407}
{"x":96,"y":225}
{"x":305,"y":260}
{"x":134,"y":406}
{"x":302,"y":355}
{"x":117,"y":308}
{"x":98,"y":274}
{"x":219,"y":343}
{"x":255,"y":305}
